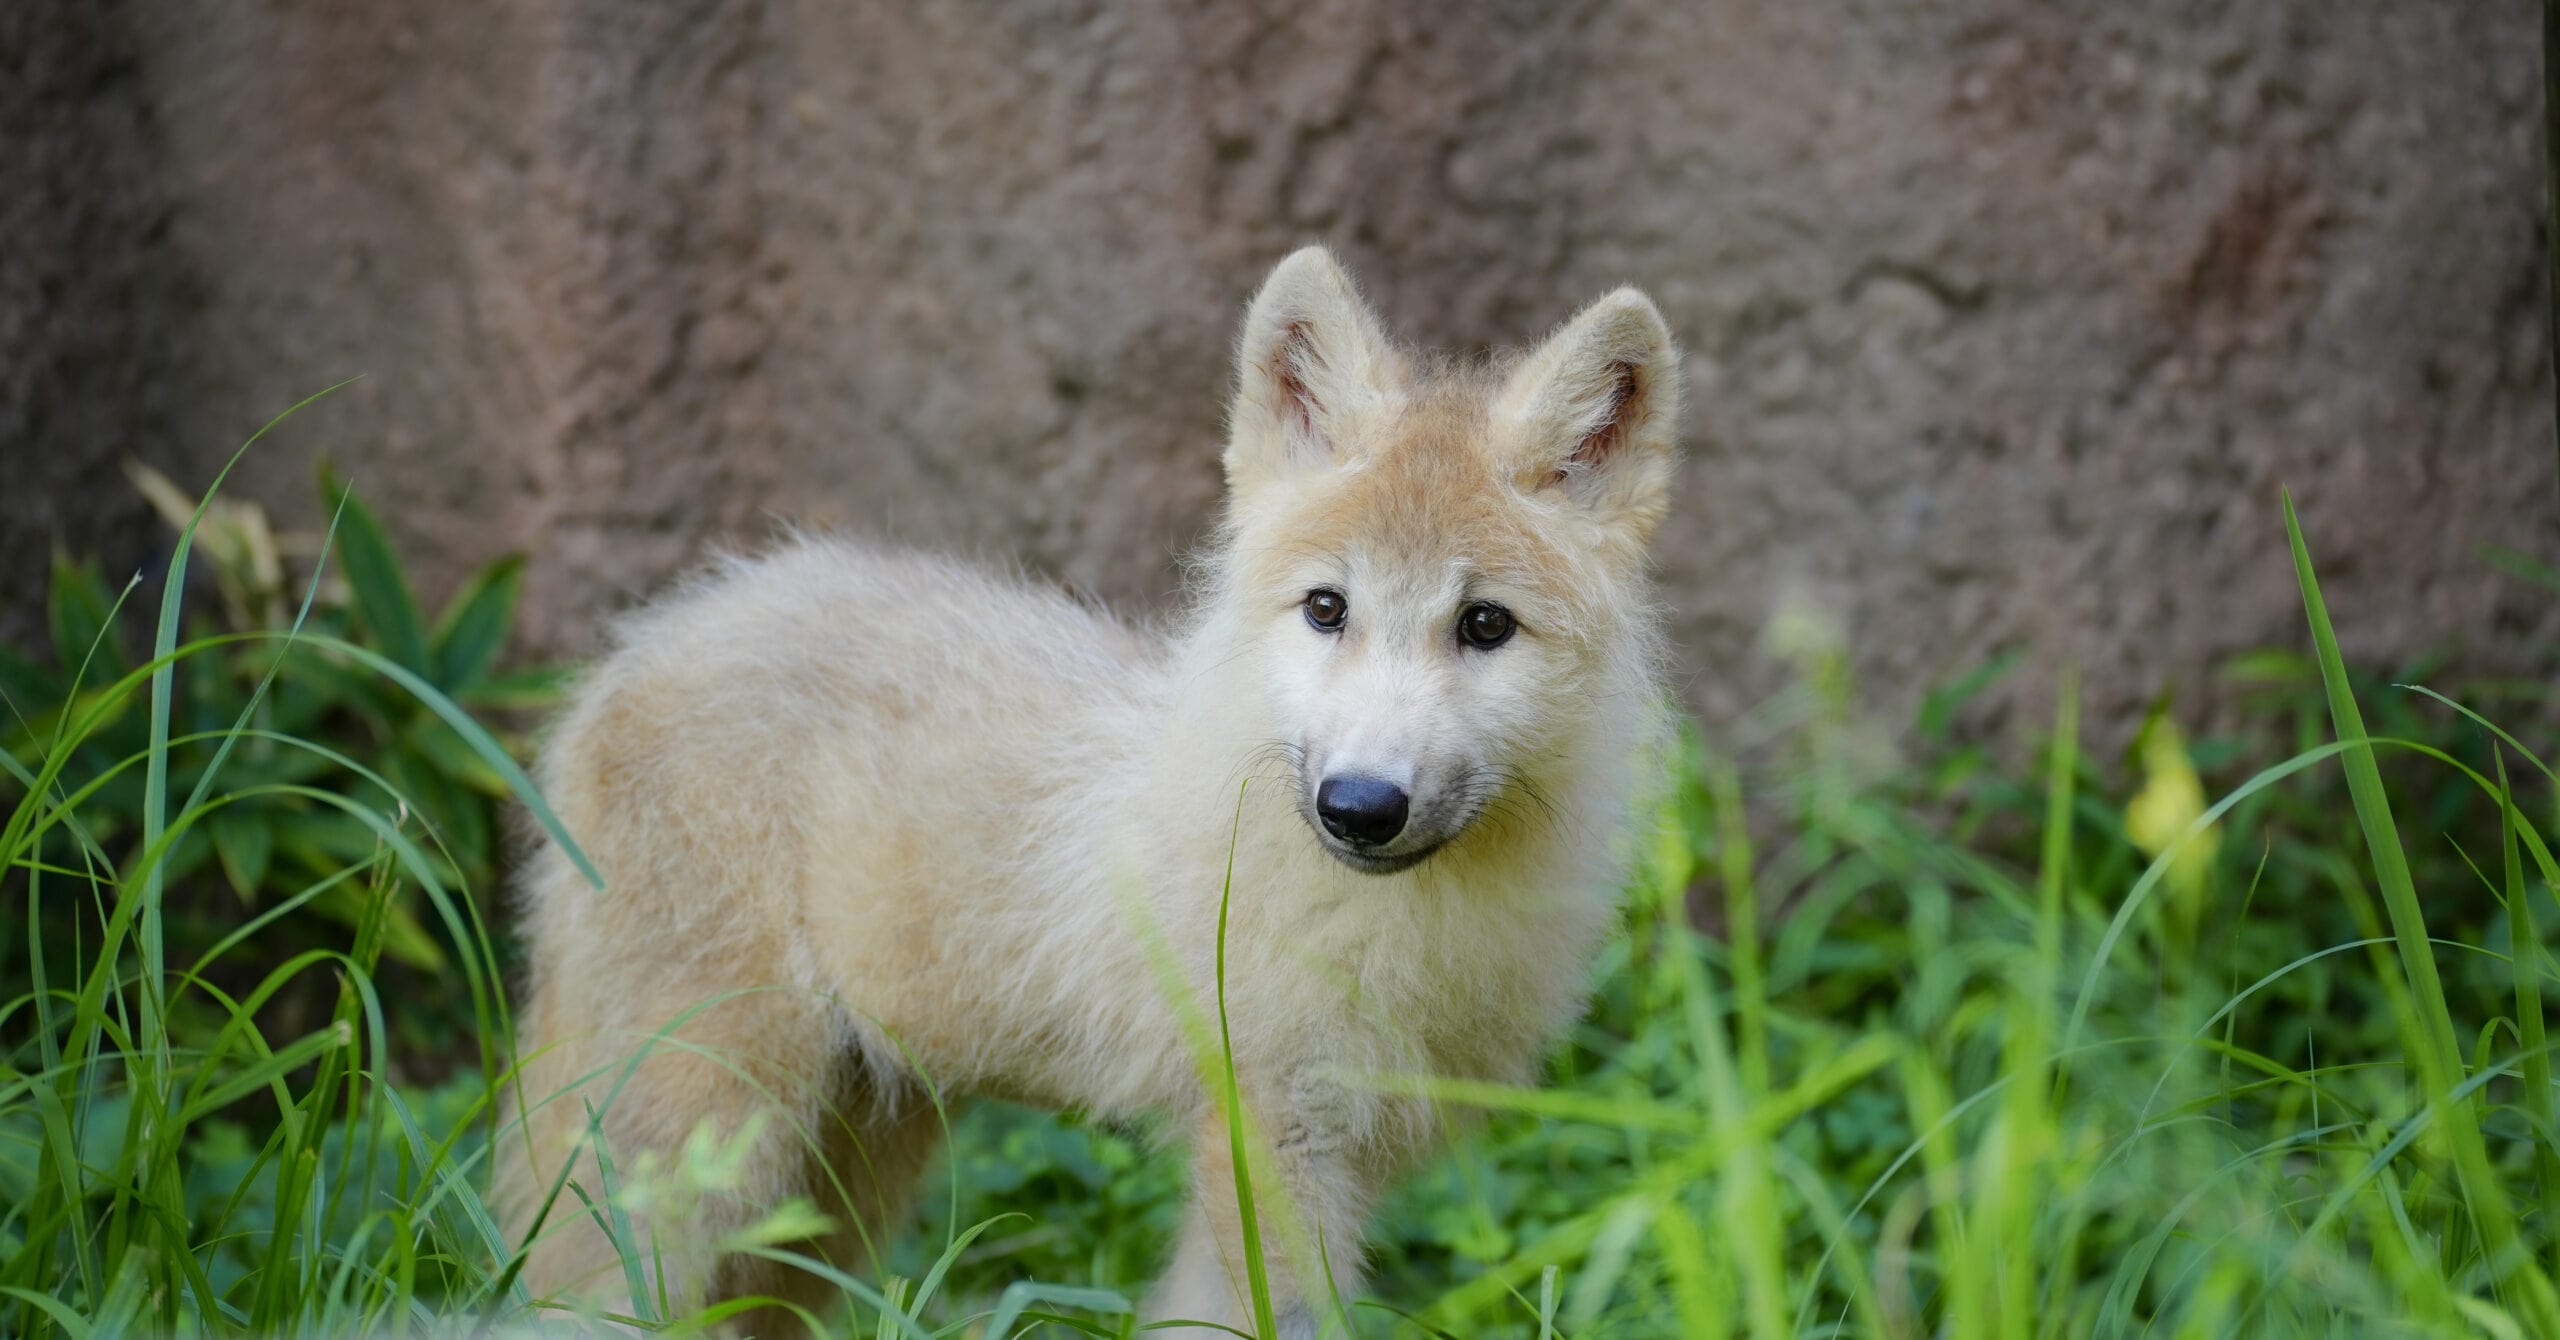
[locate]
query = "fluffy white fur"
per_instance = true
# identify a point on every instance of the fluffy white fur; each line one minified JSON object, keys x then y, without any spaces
{"x":873,"y":821}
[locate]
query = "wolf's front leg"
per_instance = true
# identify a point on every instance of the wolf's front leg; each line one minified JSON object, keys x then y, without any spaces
{"x":1310,"y":1245}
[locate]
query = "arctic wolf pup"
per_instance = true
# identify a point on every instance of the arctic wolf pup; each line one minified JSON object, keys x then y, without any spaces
{"x":877,"y":826}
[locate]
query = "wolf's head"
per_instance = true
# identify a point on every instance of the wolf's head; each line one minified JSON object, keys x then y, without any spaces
{"x":1439,"y":571}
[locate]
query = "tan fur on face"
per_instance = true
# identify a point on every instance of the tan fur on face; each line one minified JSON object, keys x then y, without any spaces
{"x":878,"y":825}
{"x":1431,"y":492}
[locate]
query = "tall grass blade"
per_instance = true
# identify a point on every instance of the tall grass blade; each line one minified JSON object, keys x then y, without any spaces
{"x":1257,"y":1275}
{"x":2439,"y":1053}
{"x":2542,"y":1104}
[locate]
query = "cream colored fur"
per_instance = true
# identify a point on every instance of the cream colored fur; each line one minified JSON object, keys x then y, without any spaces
{"x":873,"y":822}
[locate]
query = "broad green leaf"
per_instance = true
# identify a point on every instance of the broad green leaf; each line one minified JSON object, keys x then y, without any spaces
{"x":452,"y":756}
{"x":404,"y":937}
{"x":457,"y":817}
{"x":76,"y":605}
{"x":244,"y":843}
{"x":37,"y":737}
{"x":534,"y":689}
{"x":474,"y":627}
{"x":323,"y":841}
{"x":382,"y":599}
{"x":26,"y":685}
{"x":182,"y":857}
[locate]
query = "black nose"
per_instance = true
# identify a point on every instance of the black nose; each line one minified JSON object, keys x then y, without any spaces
{"x":1361,"y":809}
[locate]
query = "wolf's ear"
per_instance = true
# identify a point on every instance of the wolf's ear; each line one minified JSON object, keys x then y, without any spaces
{"x":1592,"y":413}
{"x":1312,"y":369}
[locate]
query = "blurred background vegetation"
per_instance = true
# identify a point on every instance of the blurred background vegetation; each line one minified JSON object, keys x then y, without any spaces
{"x":1932,"y":1036}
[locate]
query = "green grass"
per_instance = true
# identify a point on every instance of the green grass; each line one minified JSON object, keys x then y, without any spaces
{"x":2062,"y":1049}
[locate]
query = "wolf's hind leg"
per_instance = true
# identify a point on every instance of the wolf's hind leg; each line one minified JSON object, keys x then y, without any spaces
{"x":766,"y":1076}
{"x":874,"y":1142}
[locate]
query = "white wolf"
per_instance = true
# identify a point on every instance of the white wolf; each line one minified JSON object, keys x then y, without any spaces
{"x":872,"y":822}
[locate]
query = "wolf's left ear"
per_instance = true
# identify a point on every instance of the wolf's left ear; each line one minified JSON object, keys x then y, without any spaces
{"x":1592,"y":414}
{"x":1313,"y":368}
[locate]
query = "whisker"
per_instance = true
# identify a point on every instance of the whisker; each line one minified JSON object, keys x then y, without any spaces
{"x":1509,"y":803}
{"x":1271,"y":761}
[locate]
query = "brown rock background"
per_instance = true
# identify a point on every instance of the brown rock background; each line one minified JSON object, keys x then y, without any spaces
{"x":2006,"y":319}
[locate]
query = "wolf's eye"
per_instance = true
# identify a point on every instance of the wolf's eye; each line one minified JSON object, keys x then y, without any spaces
{"x":1327,"y":608}
{"x":1484,"y":625}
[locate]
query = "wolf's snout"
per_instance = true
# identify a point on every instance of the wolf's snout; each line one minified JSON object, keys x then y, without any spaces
{"x":1362,"y":809}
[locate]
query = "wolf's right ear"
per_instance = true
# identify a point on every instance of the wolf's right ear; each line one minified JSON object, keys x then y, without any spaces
{"x":1313,"y":368}
{"x":1592,"y":414}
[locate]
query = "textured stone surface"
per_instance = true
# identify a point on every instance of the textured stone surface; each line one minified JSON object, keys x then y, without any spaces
{"x":2006,"y":319}
{"x":73,"y":214}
